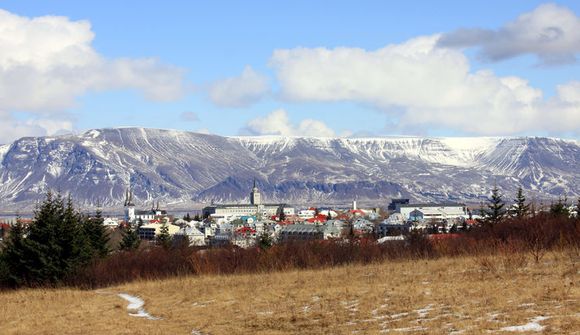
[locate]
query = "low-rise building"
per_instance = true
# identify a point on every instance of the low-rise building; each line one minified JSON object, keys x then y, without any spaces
{"x":432,"y":212}
{"x":152,"y":230}
{"x":192,"y":234}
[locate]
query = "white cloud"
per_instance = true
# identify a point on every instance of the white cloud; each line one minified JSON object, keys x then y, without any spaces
{"x":550,"y":32}
{"x":12,"y":128}
{"x":46,"y":62}
{"x":278,"y":123}
{"x":419,"y":84}
{"x":242,"y":91}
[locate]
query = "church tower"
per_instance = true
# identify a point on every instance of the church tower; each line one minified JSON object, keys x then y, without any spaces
{"x":255,"y":197}
{"x":129,"y":206}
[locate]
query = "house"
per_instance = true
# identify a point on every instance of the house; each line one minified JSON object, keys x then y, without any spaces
{"x":306,"y":214}
{"x":192,"y":234}
{"x":363,"y":226}
{"x":330,"y":231}
{"x":111,"y":222}
{"x":393,"y":225}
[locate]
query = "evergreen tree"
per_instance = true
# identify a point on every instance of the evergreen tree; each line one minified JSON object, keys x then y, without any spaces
{"x":130,"y":240}
{"x":495,"y":208}
{"x":54,"y":247}
{"x":12,"y":268}
{"x":164,"y":239}
{"x":560,"y":207}
{"x":97,"y":234}
{"x":522,"y":208}
{"x":187,"y":217}
{"x":265,"y":241}
{"x":197,"y":218}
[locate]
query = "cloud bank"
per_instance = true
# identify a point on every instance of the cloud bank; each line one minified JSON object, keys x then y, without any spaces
{"x":278,"y":123}
{"x":550,"y":32}
{"x":423,"y":85}
{"x":46,"y":62}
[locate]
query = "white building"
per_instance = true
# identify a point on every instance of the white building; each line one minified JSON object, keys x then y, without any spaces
{"x":426,"y":212}
{"x":192,"y":234}
{"x":229,"y":212}
{"x":111,"y":222}
{"x":152,"y":230}
{"x":306,"y":214}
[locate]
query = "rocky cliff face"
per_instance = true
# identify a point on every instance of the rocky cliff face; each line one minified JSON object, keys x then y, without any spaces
{"x":183,"y":167}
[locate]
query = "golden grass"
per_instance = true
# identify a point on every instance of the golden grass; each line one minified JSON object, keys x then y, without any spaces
{"x":471,"y":295}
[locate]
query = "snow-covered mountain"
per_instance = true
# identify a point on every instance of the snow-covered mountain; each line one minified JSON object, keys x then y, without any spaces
{"x":178,"y":167}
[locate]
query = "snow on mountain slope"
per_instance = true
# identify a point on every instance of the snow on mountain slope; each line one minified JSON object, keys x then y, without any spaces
{"x":177,"y":166}
{"x":3,"y":150}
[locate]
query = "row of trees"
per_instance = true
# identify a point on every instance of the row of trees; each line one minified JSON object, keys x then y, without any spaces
{"x":58,"y":243}
{"x":495,"y":211}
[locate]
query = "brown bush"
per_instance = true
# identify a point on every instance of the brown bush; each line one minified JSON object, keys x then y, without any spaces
{"x":503,"y":248}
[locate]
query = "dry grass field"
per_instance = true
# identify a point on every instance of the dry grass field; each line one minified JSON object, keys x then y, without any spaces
{"x":470,"y":295}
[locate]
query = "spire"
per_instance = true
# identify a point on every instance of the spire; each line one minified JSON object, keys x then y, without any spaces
{"x":254,"y":182}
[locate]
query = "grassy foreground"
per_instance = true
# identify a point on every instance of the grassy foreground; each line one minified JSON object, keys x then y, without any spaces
{"x":468,"y":295}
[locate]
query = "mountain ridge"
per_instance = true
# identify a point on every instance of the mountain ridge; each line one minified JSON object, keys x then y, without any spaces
{"x":192,"y":168}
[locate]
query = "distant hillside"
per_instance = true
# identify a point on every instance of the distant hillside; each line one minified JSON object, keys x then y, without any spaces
{"x":178,"y":167}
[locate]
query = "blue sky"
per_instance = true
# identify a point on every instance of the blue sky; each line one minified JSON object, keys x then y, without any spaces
{"x":343,"y":68}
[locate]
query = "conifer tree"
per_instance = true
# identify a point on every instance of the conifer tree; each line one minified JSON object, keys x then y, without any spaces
{"x":164,"y":239}
{"x":130,"y":240}
{"x":495,"y":208}
{"x":13,"y":269}
{"x":560,"y":207}
{"x":522,"y":208}
{"x":265,"y":241}
{"x":54,"y":248}
{"x":97,"y":234}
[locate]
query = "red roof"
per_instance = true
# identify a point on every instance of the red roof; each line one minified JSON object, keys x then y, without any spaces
{"x":318,"y":218}
{"x":245,"y":230}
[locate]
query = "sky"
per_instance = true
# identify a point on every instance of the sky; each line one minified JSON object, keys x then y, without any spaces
{"x":293,"y":68}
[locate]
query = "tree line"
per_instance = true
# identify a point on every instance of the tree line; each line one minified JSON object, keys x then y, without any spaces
{"x":495,"y":211}
{"x":58,"y":243}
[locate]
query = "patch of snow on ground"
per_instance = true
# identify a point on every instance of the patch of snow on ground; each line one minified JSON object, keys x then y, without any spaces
{"x":399,"y":315}
{"x":532,"y":326}
{"x":424,"y":311}
{"x":136,"y":306}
